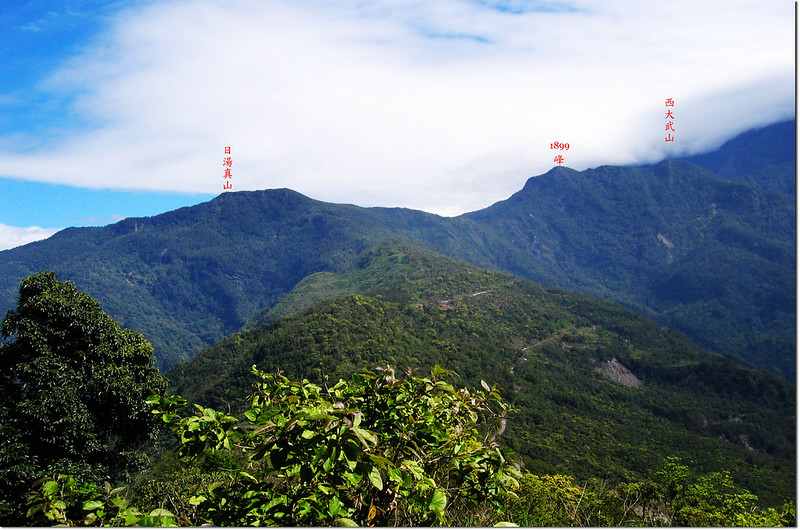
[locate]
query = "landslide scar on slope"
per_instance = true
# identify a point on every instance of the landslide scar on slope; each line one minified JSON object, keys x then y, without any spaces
{"x":615,"y":371}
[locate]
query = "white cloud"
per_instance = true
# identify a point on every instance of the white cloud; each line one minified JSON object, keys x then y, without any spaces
{"x":442,"y":105}
{"x":14,"y":236}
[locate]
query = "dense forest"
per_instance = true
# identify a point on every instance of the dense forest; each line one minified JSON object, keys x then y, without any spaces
{"x":411,"y":390}
{"x":552,"y":352}
{"x":705,"y":245}
{"x":608,"y":347}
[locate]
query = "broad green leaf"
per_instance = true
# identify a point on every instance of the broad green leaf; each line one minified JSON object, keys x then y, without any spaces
{"x":426,"y":483}
{"x":352,"y":478}
{"x":196,"y":500}
{"x":277,"y":501}
{"x":316,"y":416}
{"x":415,"y":469}
{"x":437,"y":502}
{"x":334,"y":506}
{"x":214,"y":486}
{"x":50,"y":487}
{"x":364,"y":435}
{"x":307,"y":434}
{"x":148,"y":521}
{"x":375,"y":478}
{"x":247,"y":475}
{"x":506,"y":524}
{"x":344,"y":521}
{"x":350,"y":451}
{"x":407,"y":479}
{"x":302,"y":507}
{"x":381,"y":461}
{"x":395,"y":475}
{"x":92,"y":505}
{"x":115,"y":491}
{"x":132,"y":518}
{"x":161,"y":512}
{"x":438,"y":370}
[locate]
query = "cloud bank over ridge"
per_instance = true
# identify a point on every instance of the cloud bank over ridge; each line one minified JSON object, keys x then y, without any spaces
{"x":442,"y":105}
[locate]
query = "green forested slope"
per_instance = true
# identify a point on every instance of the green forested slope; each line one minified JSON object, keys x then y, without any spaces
{"x":190,"y":277}
{"x":546,"y":348}
{"x":764,"y":158}
{"x":711,"y":256}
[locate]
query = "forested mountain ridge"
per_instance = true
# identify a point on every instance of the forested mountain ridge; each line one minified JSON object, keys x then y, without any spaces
{"x":711,"y":256}
{"x":190,"y":277}
{"x":764,"y":158}
{"x":693,"y":250}
{"x":599,"y":390}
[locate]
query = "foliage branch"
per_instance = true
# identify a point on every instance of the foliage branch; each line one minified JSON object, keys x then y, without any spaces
{"x":377,"y":450}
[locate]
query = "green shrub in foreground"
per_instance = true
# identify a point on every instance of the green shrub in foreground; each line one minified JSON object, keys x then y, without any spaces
{"x":379,"y":450}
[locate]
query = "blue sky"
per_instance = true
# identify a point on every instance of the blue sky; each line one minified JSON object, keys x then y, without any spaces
{"x":60,"y":205}
{"x":39,"y":37}
{"x":110,"y":109}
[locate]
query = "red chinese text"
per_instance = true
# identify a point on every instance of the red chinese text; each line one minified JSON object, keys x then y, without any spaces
{"x":669,"y":126}
{"x":227,"y":162}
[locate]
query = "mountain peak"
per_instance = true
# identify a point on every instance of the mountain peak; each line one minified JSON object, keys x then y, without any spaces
{"x":556,"y":172}
{"x":276,"y":195}
{"x":671,"y":240}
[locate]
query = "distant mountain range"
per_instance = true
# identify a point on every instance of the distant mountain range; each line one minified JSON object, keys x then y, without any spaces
{"x":705,"y":245}
{"x":764,"y":158}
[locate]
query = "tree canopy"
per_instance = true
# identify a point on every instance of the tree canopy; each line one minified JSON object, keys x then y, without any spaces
{"x":382,"y":449}
{"x":73,"y":386}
